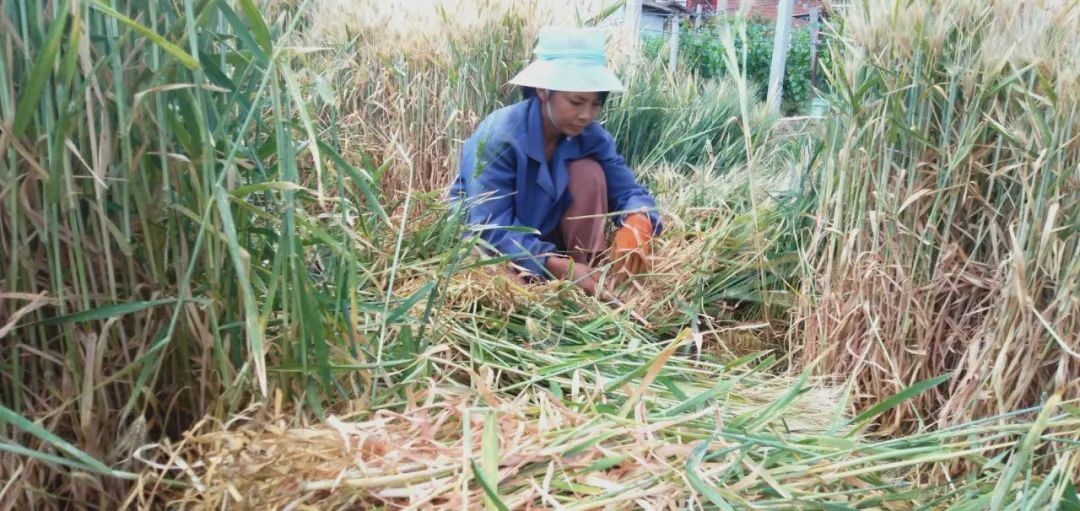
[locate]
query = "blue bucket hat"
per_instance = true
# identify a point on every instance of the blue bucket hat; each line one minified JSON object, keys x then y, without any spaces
{"x":569,"y":59}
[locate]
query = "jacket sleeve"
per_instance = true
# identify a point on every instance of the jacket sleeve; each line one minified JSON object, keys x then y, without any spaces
{"x":490,"y":174}
{"x":624,"y":192}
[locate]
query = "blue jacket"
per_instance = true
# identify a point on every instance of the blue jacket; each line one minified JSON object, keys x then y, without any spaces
{"x":508,"y":182}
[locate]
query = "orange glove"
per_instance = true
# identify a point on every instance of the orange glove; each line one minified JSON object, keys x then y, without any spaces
{"x":630,"y":251}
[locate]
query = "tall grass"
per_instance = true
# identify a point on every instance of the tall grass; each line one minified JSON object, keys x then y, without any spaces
{"x":679,"y":120}
{"x":177,"y":231}
{"x":946,"y":232}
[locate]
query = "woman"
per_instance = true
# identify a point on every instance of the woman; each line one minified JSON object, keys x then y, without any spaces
{"x":545,"y":164}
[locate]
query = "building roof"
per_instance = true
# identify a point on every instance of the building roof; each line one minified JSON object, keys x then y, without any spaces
{"x":666,"y":7}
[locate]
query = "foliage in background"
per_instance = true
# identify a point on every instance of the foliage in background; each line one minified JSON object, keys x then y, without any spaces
{"x":409,"y":102}
{"x":409,"y":105}
{"x":701,"y":52}
{"x":947,"y":223}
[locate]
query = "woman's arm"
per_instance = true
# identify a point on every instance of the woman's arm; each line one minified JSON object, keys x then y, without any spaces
{"x":624,"y":193}
{"x":490,"y":175}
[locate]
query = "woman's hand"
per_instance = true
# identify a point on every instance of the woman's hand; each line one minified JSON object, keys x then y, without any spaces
{"x":584,"y":276}
{"x":630,"y":251}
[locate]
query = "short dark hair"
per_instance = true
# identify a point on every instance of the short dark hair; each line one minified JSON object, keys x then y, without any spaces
{"x":530,"y":92}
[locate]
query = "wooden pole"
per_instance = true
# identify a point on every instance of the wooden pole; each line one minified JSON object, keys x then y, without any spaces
{"x":779,"y":56}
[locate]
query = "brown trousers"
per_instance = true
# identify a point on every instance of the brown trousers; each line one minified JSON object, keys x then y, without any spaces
{"x":580,"y":233}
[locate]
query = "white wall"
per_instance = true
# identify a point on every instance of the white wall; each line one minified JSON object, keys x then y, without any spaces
{"x":651,"y":24}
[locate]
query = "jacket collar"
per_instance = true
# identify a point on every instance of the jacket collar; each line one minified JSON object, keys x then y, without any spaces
{"x":534,"y":148}
{"x":534,"y":131}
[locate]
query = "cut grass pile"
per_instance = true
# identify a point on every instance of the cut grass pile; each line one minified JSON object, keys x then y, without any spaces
{"x":669,"y":432}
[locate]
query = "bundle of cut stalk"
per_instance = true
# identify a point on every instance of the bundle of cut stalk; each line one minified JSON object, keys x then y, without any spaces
{"x":946,"y":235}
{"x":582,"y":445}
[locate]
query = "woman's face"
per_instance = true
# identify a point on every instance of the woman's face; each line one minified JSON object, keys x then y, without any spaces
{"x":570,"y":112}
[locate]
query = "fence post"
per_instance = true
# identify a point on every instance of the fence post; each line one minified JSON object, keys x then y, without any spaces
{"x":779,"y":56}
{"x":674,"y":55}
{"x":633,"y":21}
{"x":815,"y":15}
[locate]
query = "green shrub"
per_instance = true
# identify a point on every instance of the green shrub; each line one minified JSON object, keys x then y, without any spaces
{"x":701,"y":52}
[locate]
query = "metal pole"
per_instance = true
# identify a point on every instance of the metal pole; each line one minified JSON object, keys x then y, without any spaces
{"x":779,"y":56}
